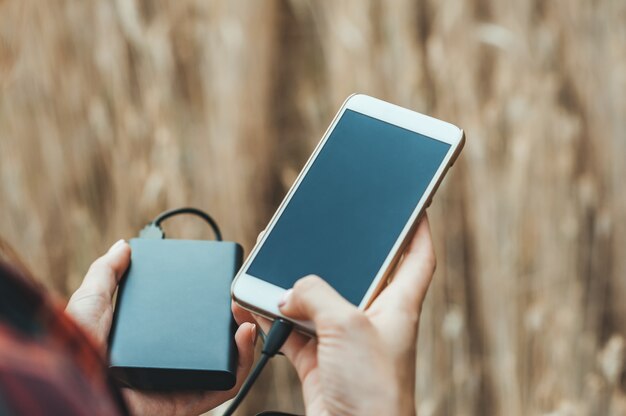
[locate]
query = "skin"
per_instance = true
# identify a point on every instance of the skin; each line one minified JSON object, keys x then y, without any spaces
{"x":361,"y":363}
{"x":92,"y":307}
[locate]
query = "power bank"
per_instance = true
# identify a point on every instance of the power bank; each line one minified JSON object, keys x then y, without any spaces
{"x":172,"y":327}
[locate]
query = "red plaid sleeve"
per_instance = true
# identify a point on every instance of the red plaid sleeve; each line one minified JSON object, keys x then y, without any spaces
{"x":48,"y":366}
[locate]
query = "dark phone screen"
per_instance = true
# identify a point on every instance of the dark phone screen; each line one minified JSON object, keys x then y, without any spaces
{"x":351,"y":206}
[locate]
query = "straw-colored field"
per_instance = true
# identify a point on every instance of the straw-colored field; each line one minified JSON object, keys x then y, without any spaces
{"x":111,"y":111}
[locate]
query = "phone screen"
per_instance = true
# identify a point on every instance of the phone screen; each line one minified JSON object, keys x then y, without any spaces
{"x":351,"y":206}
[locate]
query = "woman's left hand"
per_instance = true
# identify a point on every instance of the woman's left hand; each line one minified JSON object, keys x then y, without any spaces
{"x":91,"y":306}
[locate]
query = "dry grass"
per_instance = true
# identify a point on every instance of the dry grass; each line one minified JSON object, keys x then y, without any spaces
{"x":111,"y":111}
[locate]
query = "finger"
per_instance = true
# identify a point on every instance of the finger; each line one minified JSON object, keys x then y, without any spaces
{"x":240,"y":314}
{"x":291,"y":346}
{"x":412,"y":278}
{"x":260,"y":236}
{"x":314,"y":300}
{"x":104,"y":274}
{"x":263,"y":324}
{"x":300,"y":349}
{"x":245,"y":339}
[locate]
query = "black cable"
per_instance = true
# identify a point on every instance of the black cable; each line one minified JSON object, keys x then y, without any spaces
{"x":254,"y":374}
{"x":276,"y":337}
{"x":153,"y":230}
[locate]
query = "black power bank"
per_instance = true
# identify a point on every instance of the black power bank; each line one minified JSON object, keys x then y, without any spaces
{"x":173,"y":328}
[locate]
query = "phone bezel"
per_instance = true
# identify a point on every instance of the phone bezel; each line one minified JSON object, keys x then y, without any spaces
{"x":261,"y":297}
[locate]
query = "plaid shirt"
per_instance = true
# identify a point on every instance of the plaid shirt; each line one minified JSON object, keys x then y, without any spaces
{"x":48,"y":366}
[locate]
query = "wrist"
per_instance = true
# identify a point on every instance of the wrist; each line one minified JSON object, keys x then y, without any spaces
{"x":404,"y":403}
{"x":395,"y":399}
{"x":402,"y":398}
{"x":406,"y":406}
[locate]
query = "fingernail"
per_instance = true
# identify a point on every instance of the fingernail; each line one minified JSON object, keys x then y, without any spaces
{"x":117,"y":244}
{"x":254,"y":334}
{"x":283,"y":301}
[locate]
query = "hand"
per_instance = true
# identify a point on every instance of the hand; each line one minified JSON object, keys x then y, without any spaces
{"x":92,"y":307}
{"x":362,"y":362}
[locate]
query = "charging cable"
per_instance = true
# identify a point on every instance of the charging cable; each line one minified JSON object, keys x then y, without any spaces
{"x":276,"y":337}
{"x":154,"y":230}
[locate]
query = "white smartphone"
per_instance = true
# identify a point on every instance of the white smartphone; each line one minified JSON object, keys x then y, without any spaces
{"x":353,"y":207}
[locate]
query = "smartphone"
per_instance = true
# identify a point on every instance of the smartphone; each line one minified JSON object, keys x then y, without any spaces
{"x":353,"y":207}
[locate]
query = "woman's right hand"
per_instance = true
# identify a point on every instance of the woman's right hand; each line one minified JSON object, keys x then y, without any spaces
{"x":362,"y":362}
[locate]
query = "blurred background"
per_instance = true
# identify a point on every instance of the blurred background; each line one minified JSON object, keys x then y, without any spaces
{"x":111,"y":111}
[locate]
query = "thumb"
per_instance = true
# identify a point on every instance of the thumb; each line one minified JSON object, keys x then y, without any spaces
{"x":313,"y":299}
{"x":105,"y":273}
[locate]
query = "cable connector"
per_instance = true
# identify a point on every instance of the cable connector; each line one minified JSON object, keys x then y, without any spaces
{"x":275,"y":339}
{"x":152,"y":231}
